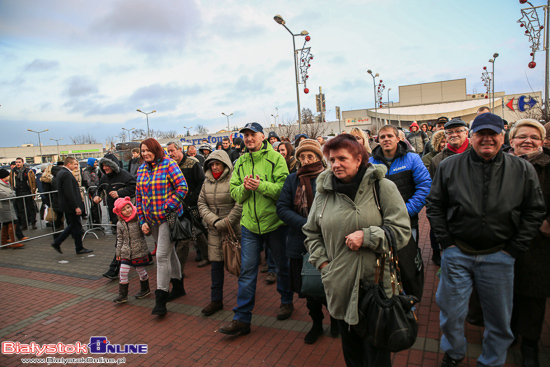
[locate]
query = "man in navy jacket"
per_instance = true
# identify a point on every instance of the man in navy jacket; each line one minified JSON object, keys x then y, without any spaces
{"x":413,"y":181}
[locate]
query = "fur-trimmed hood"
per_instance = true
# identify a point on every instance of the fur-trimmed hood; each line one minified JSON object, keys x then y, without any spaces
{"x":437,"y":137}
{"x":112,"y":164}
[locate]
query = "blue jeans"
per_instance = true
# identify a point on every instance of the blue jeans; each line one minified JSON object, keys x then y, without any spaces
{"x":493,"y":276}
{"x":251,"y":247}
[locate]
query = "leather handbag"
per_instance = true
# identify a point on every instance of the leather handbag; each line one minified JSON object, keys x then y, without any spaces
{"x":312,"y":285}
{"x":387,"y":323}
{"x":231,"y":250}
{"x":181,"y":228}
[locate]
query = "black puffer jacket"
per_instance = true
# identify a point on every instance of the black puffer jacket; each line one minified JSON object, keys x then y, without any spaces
{"x":194,"y":176}
{"x":119,"y":180}
{"x":486,"y":207}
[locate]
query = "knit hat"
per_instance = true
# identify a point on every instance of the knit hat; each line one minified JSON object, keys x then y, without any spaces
{"x":121,"y":203}
{"x":4,"y":173}
{"x":276,"y":144}
{"x":310,"y":145}
{"x":91,"y":161}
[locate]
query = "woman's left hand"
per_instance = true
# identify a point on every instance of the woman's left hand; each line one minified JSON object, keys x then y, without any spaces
{"x":354,"y":240}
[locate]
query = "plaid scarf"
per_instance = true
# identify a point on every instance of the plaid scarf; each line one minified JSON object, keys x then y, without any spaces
{"x":304,"y":191}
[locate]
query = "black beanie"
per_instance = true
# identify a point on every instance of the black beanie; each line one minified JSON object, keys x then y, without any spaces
{"x":4,"y":173}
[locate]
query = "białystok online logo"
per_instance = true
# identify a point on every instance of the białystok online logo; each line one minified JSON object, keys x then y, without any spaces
{"x":97,"y":345}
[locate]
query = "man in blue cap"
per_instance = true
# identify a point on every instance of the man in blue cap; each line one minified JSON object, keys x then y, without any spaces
{"x":256,"y":183}
{"x":485,"y":207}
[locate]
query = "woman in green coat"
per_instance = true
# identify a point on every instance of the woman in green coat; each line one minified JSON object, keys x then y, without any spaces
{"x":344,"y":235}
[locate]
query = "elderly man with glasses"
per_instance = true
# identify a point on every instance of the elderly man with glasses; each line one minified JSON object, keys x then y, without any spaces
{"x":456,"y":132}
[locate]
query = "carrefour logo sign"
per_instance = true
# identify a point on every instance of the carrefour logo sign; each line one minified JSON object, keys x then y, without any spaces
{"x":522,"y":103}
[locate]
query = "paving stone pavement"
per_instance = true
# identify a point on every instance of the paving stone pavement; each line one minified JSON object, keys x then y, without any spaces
{"x":49,"y":298}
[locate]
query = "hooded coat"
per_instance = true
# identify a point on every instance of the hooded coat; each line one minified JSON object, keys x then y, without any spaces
{"x":215,"y":204}
{"x":130,"y":240}
{"x":7,"y":211}
{"x":333,"y":216}
{"x":437,"y":138}
{"x":119,"y":180}
{"x":417,"y":139}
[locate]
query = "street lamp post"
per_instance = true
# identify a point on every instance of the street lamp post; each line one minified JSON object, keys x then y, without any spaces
{"x":275,"y":116}
{"x":389,"y":113}
{"x":129,"y":136}
{"x":188,"y":128}
{"x":492,"y":61}
{"x":231,"y":114}
{"x":147,"y":114}
{"x":57,"y":142}
{"x":282,"y":22}
{"x":375,"y":102}
{"x":39,"y":142}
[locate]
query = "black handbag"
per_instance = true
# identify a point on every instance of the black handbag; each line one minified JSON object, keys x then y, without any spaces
{"x":387,"y":323}
{"x":184,"y":227}
{"x":312,"y":285}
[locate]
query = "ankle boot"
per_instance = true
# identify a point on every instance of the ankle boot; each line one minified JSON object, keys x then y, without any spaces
{"x":122,"y":293}
{"x":144,"y":291}
{"x":12,"y":238}
{"x":530,"y":355}
{"x":4,"y":235}
{"x":177,"y":289}
{"x":160,"y":305}
{"x":315,"y":332}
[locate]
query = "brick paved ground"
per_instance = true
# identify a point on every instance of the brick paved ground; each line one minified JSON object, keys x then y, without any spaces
{"x":49,"y":297}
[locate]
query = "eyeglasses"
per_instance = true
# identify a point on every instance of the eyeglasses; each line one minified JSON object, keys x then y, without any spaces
{"x":456,"y":132}
{"x":525,"y":137}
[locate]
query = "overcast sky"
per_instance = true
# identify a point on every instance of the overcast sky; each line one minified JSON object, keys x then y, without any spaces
{"x":76,"y":66}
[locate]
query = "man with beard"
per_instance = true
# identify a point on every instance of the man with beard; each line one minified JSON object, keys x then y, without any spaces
{"x":115,"y":183}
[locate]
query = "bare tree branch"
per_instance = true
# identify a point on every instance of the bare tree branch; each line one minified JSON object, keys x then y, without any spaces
{"x":201,"y":130}
{"x":84,"y":139}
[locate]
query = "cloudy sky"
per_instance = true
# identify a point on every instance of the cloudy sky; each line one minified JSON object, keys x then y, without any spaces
{"x":76,"y":66}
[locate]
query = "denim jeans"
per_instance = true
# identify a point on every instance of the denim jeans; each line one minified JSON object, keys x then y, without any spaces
{"x":493,"y":276}
{"x":251,"y":247}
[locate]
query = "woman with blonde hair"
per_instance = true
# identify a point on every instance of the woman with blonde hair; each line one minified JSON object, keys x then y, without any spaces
{"x":361,"y":138}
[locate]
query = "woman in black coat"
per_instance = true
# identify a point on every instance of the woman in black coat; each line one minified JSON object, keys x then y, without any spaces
{"x":293,"y":208}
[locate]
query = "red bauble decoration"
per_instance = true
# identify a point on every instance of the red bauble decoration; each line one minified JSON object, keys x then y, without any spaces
{"x":531,"y":54}
{"x":311,"y":57}
{"x":381,"y":81}
{"x":308,"y":38}
{"x":306,"y":90}
{"x":308,"y":65}
{"x":522,"y":1}
{"x":532,"y":65}
{"x":486,"y":96}
{"x":485,"y":68}
{"x":522,"y":25}
{"x":541,"y":27}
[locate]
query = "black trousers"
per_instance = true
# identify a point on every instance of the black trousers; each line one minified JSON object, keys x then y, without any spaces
{"x":26,"y":210}
{"x":358,"y":352}
{"x":73,"y":228}
{"x":528,"y":316}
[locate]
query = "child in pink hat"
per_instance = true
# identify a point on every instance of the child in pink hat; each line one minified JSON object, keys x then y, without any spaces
{"x":131,"y":249}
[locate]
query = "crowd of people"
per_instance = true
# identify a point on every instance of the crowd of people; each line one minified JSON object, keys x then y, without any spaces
{"x":334,"y":198}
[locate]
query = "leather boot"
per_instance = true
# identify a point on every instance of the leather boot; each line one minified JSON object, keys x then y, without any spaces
{"x":122,"y":293}
{"x":12,"y":238}
{"x":315,"y":332}
{"x":236,"y":327}
{"x":160,"y":305}
{"x":144,"y":291}
{"x":4,"y":234}
{"x":177,"y":289}
{"x":212,"y":308}
{"x":530,"y":356}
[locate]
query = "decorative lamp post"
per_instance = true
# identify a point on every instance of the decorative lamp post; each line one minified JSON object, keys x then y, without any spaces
{"x":39,"y":142}
{"x":57,"y":142}
{"x":129,"y":136}
{"x":231,"y":114}
{"x":147,"y":114}
{"x":492,"y":61}
{"x":374,"y":76}
{"x":305,"y":60}
{"x":533,"y":29}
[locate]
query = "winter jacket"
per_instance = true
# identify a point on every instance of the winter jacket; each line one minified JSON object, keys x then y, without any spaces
{"x":232,"y":153}
{"x":409,"y":175}
{"x":118,"y":180}
{"x":532,"y":273}
{"x":28,"y":176}
{"x":130,"y":240}
{"x":285,"y":210}
{"x":160,"y":187}
{"x":133,"y":166}
{"x":259,"y":211}
{"x":483,"y":207}
{"x":7,"y":211}
{"x":215,"y":203}
{"x":194,"y":176}
{"x":418,"y":139}
{"x":439,"y":157}
{"x":53,"y":187}
{"x":90,"y":177}
{"x":69,"y":197}
{"x":333,"y":216}
{"x":436,"y":139}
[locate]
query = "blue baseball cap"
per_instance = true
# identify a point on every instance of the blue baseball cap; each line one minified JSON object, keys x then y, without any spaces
{"x":254,"y":126}
{"x":488,"y":121}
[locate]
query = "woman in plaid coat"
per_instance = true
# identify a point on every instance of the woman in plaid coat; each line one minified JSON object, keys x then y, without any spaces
{"x":161,"y":188}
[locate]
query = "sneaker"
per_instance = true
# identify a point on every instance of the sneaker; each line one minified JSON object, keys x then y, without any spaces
{"x":271,"y":278}
{"x":450,"y":362}
{"x":285,"y":311}
{"x":235,"y":327}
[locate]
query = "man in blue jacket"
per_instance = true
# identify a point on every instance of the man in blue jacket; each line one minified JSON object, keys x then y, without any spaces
{"x":413,"y":181}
